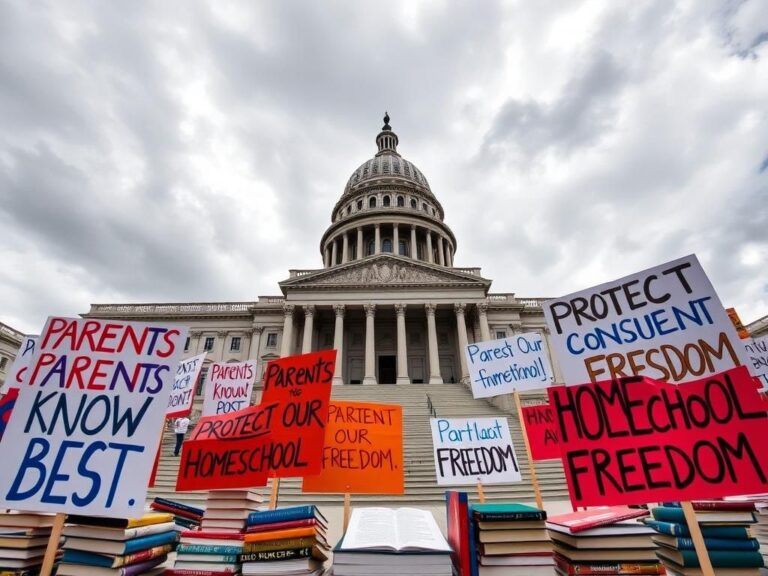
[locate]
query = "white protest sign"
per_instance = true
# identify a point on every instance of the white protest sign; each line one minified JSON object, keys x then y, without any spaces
{"x":520,"y":362}
{"x":757,"y":350}
{"x":666,"y":323}
{"x":21,"y":362}
{"x":88,"y":420}
{"x":228,"y":387}
{"x":468,"y":450}
{"x":183,"y":393}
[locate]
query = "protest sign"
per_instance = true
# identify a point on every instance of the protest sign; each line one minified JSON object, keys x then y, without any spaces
{"x":183,"y":393}
{"x":21,"y":362}
{"x":88,"y":418}
{"x":741,"y":330}
{"x":520,"y":362}
{"x":666,"y":323}
{"x":7,"y":403}
{"x":300,"y":388}
{"x":636,"y":440}
{"x":228,"y":387}
{"x":363,"y":451}
{"x":757,"y":352}
{"x":232,"y":450}
{"x":541,"y":428}
{"x":472,"y":450}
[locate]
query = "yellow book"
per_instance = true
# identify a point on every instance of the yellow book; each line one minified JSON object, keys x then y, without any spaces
{"x":146,"y":520}
{"x":281,"y":534}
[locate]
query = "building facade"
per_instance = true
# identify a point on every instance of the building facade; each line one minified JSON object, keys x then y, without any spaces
{"x":10,"y":342}
{"x":388,"y":296}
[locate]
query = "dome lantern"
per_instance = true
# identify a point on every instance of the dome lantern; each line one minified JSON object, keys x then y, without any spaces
{"x":387,"y":140}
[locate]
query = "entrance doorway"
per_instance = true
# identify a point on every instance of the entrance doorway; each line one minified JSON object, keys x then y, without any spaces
{"x":387,"y":369}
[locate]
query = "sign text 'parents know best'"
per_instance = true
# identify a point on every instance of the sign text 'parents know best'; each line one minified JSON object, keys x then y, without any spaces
{"x":91,"y":409}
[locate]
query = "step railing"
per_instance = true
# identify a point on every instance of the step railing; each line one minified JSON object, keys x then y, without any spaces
{"x":431,"y":407}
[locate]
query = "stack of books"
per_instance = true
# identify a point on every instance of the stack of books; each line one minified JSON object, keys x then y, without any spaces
{"x":386,"y":541}
{"x":725,"y":526}
{"x":285,"y":541}
{"x":96,"y":546}
{"x":185,"y":516}
{"x":215,"y":549}
{"x":512,"y":539}
{"x":607,"y":540}
{"x":23,"y":540}
{"x":759,"y":530}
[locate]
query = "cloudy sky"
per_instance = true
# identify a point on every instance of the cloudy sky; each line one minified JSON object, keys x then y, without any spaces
{"x":192,"y":151}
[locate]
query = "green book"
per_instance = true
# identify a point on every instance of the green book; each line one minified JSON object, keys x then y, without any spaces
{"x":719,"y":558}
{"x":507,"y":512}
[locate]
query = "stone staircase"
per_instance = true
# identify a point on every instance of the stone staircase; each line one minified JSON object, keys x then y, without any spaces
{"x":449,"y":400}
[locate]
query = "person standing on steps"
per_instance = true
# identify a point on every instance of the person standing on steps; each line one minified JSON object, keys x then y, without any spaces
{"x":180,"y":427}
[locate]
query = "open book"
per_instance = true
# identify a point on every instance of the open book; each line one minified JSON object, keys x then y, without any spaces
{"x":393,"y":530}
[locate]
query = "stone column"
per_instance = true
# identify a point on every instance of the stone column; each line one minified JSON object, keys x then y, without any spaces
{"x":221,"y":338}
{"x":338,"y":343}
{"x":434,"y":357}
{"x":450,"y":255}
{"x":461,"y":328}
{"x":309,"y":314}
{"x":377,"y":240}
{"x":414,"y":248}
{"x":370,"y":343}
{"x":395,"y":240}
{"x":194,"y":342}
{"x":345,"y":249}
{"x":327,"y":257}
{"x":359,"y":242}
{"x":440,"y":251}
{"x":430,"y":256}
{"x":286,"y":345}
{"x":402,"y":346}
{"x":334,"y":252}
{"x":485,"y":331}
{"x":253,"y":349}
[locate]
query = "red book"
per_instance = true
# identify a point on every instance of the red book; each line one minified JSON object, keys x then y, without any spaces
{"x":212,"y":535}
{"x":594,"y":517}
{"x":457,"y":512}
{"x":186,"y":572}
{"x":175,"y":511}
{"x":634,"y":568}
{"x":281,"y":525}
{"x":704,"y":505}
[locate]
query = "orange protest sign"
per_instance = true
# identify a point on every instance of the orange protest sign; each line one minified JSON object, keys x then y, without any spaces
{"x":363,"y":451}
{"x":740,"y":328}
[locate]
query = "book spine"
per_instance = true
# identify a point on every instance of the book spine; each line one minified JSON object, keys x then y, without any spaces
{"x":188,"y":572}
{"x":720,"y":544}
{"x":268,"y":516}
{"x":180,"y":506}
{"x":635,"y":568}
{"x":143,"y":555}
{"x":204,"y":549}
{"x":278,"y":545}
{"x":507,"y":516}
{"x":175,"y":512}
{"x":281,"y":525}
{"x":132,"y":546}
{"x":725,"y":506}
{"x":284,"y":554}
{"x":307,"y":532}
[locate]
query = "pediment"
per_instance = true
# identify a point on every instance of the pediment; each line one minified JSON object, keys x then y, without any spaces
{"x":383,"y":271}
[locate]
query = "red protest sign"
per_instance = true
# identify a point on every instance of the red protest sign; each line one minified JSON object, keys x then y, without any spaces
{"x":541,"y":428}
{"x":636,"y":440}
{"x":232,"y":450}
{"x":299,"y":390}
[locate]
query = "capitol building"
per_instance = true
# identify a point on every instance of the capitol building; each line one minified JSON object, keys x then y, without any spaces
{"x":387,"y":296}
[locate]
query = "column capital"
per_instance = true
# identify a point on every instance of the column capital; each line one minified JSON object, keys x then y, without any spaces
{"x":459,"y":308}
{"x":413,"y":226}
{"x":377,"y":225}
{"x":400,"y":309}
{"x":517,"y":327}
{"x":482,"y":308}
{"x":288,"y":309}
{"x":309,"y":310}
{"x":195,"y":334}
{"x":257,"y":329}
{"x":429,"y":308}
{"x":370,"y":309}
{"x":339,"y":310}
{"x":221,"y":333}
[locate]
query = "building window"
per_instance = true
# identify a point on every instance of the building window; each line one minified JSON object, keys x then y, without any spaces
{"x":386,"y":246}
{"x":371,"y":248}
{"x":349,"y":209}
{"x":3,"y":363}
{"x":186,"y":344}
{"x":271,"y":339}
{"x":372,"y":202}
{"x":424,"y":207}
{"x":201,"y":381}
{"x":414,"y":204}
{"x":403,"y":248}
{"x":434,"y":212}
{"x":208,"y":343}
{"x":500,"y":334}
{"x":234,"y":344}
{"x":400,"y":201}
{"x":359,"y":204}
{"x":386,"y":201}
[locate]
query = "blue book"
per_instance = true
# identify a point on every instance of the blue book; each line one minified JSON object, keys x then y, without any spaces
{"x":286,"y":514}
{"x":180,"y":506}
{"x":206,"y":549}
{"x":119,"y":548}
{"x":719,"y":558}
{"x":682,"y":543}
{"x":676,"y":516}
{"x":673,"y":529}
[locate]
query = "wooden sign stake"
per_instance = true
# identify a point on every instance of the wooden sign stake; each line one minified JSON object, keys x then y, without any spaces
{"x":698,"y":539}
{"x":480,"y":493}
{"x":273,"y":493}
{"x":53,"y":544}
{"x":531,"y":466}
{"x":347,"y":510}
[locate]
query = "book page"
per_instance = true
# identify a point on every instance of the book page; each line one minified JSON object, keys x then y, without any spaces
{"x":417,"y":530}
{"x":371,"y":528}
